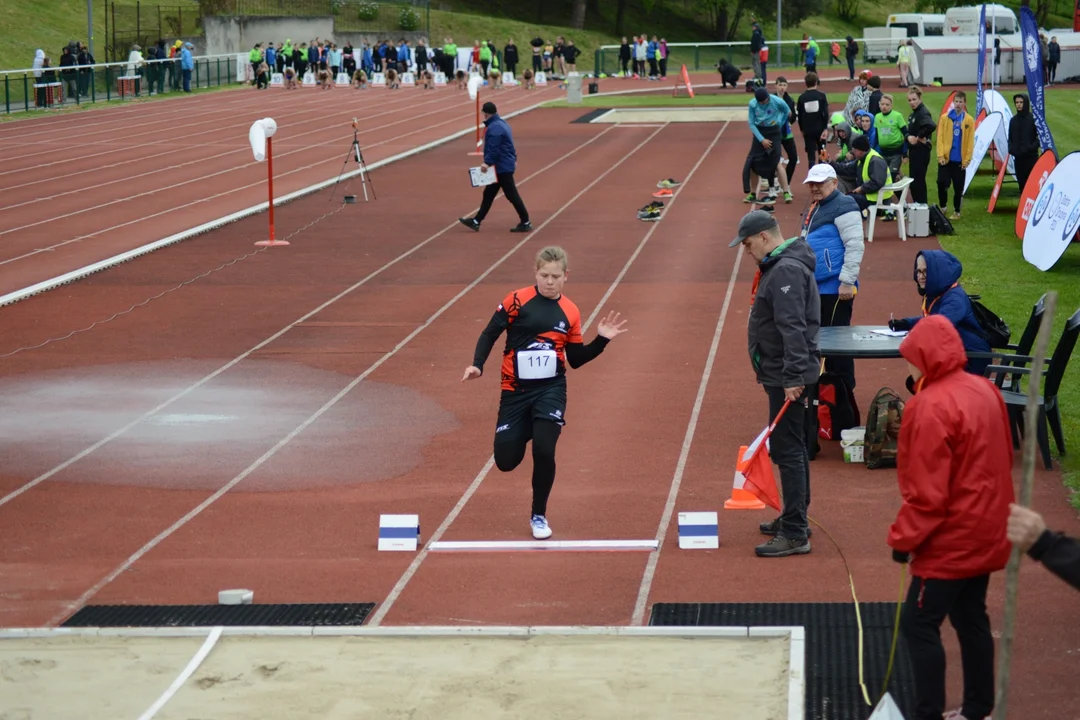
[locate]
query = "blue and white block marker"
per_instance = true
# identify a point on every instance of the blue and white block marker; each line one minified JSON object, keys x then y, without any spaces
{"x":699,"y":531}
{"x":399,"y":532}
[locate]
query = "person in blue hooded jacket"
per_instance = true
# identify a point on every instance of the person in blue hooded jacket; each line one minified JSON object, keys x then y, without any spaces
{"x":499,"y":153}
{"x":937,"y":274}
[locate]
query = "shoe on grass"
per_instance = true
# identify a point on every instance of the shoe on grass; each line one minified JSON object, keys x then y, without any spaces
{"x":540,"y":528}
{"x":470,"y":223}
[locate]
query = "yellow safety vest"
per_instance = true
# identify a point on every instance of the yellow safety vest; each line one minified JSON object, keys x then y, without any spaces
{"x":872,"y":197}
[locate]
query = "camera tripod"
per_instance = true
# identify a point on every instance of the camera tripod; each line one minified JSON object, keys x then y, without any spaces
{"x":356,"y":154}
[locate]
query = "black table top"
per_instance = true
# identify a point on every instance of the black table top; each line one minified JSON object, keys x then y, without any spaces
{"x":857,"y":341}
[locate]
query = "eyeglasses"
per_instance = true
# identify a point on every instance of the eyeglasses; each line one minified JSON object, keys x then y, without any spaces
{"x":921,"y":272}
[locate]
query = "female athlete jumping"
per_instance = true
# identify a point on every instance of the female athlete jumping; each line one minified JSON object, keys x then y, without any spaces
{"x":543,"y":335}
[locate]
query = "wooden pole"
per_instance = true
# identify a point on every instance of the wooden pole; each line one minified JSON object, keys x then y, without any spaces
{"x":1027,"y":464}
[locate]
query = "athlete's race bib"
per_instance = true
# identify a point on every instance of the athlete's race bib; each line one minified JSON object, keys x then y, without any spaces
{"x":536,"y":364}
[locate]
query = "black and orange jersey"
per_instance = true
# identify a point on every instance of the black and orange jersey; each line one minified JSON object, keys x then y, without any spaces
{"x":542,"y":337}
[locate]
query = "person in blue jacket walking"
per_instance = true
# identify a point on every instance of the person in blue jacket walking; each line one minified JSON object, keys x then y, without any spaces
{"x":499,"y":153}
{"x":937,"y":274}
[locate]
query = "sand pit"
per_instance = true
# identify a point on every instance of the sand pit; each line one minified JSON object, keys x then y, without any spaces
{"x":449,"y":674}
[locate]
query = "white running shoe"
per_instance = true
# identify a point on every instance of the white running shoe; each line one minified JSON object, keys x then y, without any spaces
{"x":540,"y":528}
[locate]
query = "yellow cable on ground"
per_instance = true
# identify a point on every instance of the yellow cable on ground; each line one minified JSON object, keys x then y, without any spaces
{"x":858,"y":619}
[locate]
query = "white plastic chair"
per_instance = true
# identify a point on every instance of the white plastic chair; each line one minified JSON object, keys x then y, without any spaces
{"x":899,"y":188}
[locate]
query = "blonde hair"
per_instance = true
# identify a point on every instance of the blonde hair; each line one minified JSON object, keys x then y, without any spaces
{"x":552,"y":253}
{"x":886,"y":96}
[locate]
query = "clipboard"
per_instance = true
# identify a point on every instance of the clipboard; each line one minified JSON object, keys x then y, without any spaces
{"x":480,"y":179}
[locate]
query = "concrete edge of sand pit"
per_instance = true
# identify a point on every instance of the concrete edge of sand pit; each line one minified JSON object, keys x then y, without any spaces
{"x":795,"y":634}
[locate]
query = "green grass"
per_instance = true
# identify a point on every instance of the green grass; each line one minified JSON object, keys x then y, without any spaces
{"x":986,"y":243}
{"x":50,"y":26}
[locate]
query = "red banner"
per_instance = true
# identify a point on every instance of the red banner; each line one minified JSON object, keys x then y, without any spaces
{"x":1043,"y":167}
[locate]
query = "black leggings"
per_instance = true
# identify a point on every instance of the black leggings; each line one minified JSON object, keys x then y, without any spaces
{"x":918,"y":164}
{"x":793,"y":158}
{"x":929,"y":602}
{"x":510,"y":451}
{"x":950,"y":173}
{"x":506,"y":182}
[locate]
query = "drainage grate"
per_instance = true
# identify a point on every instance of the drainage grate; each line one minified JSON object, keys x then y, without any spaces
{"x":832,"y":648}
{"x":322,"y":614}
{"x":590,"y":116}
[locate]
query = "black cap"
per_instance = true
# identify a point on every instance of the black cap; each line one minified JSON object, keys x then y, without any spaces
{"x":761,"y":95}
{"x":752,"y":223}
{"x":489,"y":108}
{"x":860,"y":142}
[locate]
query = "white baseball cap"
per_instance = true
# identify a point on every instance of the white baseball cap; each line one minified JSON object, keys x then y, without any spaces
{"x":820,"y":173}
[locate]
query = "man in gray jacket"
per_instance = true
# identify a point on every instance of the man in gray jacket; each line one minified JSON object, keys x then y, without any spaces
{"x":782,"y":334}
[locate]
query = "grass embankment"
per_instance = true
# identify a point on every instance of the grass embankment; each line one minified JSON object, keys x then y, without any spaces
{"x":986,"y":243}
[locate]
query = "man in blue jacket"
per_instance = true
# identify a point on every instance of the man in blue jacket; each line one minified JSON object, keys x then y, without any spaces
{"x":499,"y":153}
{"x":833,"y":228}
{"x":937,"y":275}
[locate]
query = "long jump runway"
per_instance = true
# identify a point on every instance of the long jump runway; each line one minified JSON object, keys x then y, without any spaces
{"x":258,"y":420}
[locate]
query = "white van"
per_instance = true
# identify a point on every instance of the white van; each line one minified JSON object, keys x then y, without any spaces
{"x":918,"y":24}
{"x":965,"y":20}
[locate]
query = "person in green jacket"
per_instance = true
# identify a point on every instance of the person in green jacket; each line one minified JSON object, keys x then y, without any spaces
{"x":891,"y":129}
{"x":485,"y":58}
{"x":450,"y":51}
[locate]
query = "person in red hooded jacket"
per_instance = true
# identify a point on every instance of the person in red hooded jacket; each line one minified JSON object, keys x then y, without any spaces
{"x":954,"y":467}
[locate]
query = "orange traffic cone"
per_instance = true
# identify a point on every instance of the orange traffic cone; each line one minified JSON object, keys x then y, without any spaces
{"x":742,"y":499}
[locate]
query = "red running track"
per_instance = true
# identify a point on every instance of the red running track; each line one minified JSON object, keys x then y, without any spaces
{"x":253,"y":480}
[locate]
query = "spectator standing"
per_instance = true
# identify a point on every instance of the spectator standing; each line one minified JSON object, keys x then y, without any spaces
{"x":852,"y":52}
{"x":187,"y":64}
{"x":1053,"y":54}
{"x":757,"y":41}
{"x":625,"y":57}
{"x":641,"y":55}
{"x":69,"y":73}
{"x":833,"y":228}
{"x":537,"y":44}
{"x":812,"y":114}
{"x":920,"y":128}
{"x":510,"y":57}
{"x":955,"y":145}
{"x":1023,"y":139}
{"x":499,"y":153}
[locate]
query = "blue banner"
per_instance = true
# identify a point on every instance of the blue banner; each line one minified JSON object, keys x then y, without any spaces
{"x":982,"y":61}
{"x":1033,"y":74}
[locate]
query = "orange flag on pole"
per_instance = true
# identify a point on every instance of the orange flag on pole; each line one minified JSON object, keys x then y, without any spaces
{"x":755,"y":473}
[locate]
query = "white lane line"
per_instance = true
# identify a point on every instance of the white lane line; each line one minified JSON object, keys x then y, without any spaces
{"x":638,"y":617}
{"x":182,"y":678}
{"x":116,"y":572}
{"x":404,"y":580}
{"x":191,"y":388}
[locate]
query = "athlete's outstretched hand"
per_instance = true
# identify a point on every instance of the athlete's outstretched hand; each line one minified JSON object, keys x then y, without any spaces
{"x":610,"y":326}
{"x":471,"y":373}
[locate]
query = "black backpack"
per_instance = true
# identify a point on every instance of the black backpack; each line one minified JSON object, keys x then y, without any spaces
{"x":939,"y":224}
{"x":995,"y":330}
